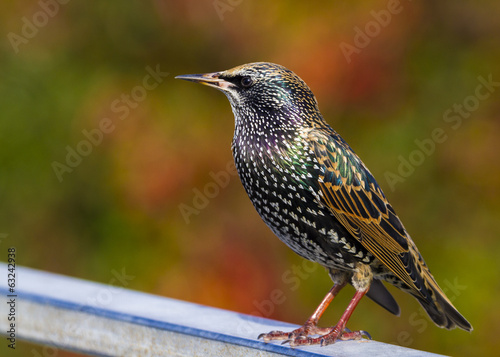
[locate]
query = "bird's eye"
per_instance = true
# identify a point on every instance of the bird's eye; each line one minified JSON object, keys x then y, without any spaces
{"x":246,"y":81}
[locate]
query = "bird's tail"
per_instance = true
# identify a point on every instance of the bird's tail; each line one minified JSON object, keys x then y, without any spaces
{"x":439,"y":307}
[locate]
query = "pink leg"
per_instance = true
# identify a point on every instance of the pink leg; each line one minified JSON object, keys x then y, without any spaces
{"x":310,"y":327}
{"x":338,"y":331}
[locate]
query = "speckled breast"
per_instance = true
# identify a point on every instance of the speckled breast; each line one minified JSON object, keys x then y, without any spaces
{"x":276,"y":182}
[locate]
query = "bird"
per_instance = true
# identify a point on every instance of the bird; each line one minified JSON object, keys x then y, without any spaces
{"x":318,"y":197}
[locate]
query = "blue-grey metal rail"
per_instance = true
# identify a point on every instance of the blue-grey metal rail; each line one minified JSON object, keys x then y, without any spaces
{"x":107,"y":320}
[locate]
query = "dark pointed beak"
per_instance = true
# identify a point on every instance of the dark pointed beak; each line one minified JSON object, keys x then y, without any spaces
{"x":208,"y":79}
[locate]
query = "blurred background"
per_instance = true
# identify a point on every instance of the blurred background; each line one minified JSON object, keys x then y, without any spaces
{"x":109,"y":164}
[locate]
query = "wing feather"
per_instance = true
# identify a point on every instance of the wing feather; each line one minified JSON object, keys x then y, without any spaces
{"x":351,"y":193}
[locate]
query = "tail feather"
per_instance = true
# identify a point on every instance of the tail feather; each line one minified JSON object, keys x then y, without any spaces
{"x":432,"y":298}
{"x":442,"y":311}
{"x":379,"y":293}
{"x":438,"y":306}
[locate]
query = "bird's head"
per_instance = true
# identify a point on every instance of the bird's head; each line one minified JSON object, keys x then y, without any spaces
{"x":263,"y":93}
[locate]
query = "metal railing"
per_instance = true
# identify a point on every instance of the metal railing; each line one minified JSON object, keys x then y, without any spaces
{"x":61,"y":312}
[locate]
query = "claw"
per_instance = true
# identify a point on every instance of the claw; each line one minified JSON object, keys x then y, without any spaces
{"x":364,"y":333}
{"x":274,"y":335}
{"x":267,"y":336}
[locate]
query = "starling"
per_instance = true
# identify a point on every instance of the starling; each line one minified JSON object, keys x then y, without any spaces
{"x":320,"y":199}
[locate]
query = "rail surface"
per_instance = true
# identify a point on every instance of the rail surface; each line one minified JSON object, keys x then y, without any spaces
{"x":61,"y":312}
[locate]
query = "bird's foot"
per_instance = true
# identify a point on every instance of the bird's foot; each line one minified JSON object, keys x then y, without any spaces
{"x":330,"y":337}
{"x":300,"y":333}
{"x":303,"y":336}
{"x":354,"y":335}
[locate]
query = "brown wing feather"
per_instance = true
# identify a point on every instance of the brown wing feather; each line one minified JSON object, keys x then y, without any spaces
{"x":356,"y":200}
